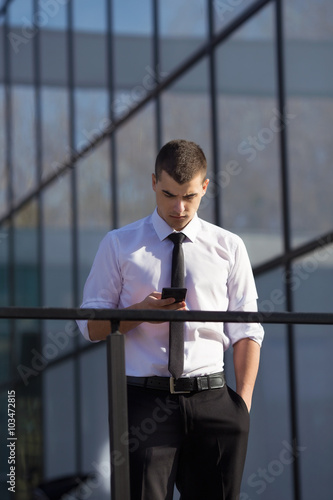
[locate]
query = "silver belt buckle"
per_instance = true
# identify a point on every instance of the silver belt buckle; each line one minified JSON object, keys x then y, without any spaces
{"x":172,"y":387}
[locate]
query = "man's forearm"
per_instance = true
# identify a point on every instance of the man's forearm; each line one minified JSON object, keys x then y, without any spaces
{"x":246,"y":364}
{"x":99,"y":330}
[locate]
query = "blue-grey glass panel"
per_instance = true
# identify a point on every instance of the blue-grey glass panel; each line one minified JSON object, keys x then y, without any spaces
{"x":268,"y":469}
{"x":4,"y":301}
{"x":90,"y":59}
{"x":94,"y":206}
{"x":3,"y":152}
{"x":59,"y":337}
{"x":308,"y":52}
{"x":31,"y":17}
{"x":133,"y":68}
{"x":26,"y":288}
{"x":311,"y":176}
{"x":23,"y":140}
{"x":249,"y":133}
{"x":182,"y":18}
{"x":133,"y":58}
{"x":91,"y":115}
{"x":312,"y":285}
{"x":5,"y":347}
{"x":131,"y":17}
{"x":95,"y":429}
{"x":21,"y":45}
{"x":308,"y":20}
{"x":53,"y":59}
{"x":55,"y":130}
{"x":228,"y":11}
{"x":89,"y":15}
{"x":57,"y":259}
{"x":136,"y":155}
{"x":59,"y":420}
{"x":186,"y":115}
{"x":26,"y":256}
{"x":57,"y":243}
{"x":29,"y":431}
{"x":52,"y":15}
{"x":21,"y":13}
{"x":183,"y":28}
{"x":93,"y":180}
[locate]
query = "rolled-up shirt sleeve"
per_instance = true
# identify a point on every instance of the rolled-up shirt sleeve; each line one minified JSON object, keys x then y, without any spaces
{"x":242,"y":295}
{"x":103,"y":285}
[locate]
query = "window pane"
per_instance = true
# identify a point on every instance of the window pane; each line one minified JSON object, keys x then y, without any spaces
{"x":132,"y":81}
{"x":53,"y":61}
{"x":249,"y":177}
{"x":58,"y":336}
{"x":3,"y":151}
{"x":29,"y":429}
{"x":183,"y":28}
{"x":226,"y":11}
{"x":136,"y":155}
{"x":139,"y":22}
{"x":186,"y":115}
{"x":182,"y":18}
{"x":309,"y":19}
{"x":268,"y":468}
{"x":312,"y":283}
{"x":5,"y":300}
{"x":23,"y":141}
{"x":59,"y":421}
{"x":22,"y":32}
{"x":95,"y":431}
{"x":90,"y":59}
{"x":309,"y":79}
{"x":93,"y":177}
{"x":89,"y":15}
{"x":21,"y":13}
{"x":55,"y":129}
{"x":26,"y":257}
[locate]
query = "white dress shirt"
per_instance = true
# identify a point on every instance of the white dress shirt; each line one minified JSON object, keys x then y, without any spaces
{"x":135,"y":260}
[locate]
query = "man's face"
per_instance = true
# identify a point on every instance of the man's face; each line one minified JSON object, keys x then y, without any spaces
{"x":178,"y":203}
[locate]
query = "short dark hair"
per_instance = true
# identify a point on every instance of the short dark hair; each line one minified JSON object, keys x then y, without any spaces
{"x":182,"y":160}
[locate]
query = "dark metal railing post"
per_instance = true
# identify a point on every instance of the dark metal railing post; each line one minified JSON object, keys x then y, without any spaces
{"x":118,"y":417}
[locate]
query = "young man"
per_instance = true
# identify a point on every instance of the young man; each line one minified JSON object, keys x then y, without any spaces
{"x":196,"y":437}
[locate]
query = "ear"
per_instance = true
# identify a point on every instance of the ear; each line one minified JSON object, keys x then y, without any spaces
{"x":154,"y":181}
{"x":204,"y":187}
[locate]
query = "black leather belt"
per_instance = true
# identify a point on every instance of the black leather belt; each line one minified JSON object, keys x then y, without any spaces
{"x":181,"y":385}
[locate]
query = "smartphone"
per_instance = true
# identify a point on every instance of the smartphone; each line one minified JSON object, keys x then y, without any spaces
{"x":177,"y":293}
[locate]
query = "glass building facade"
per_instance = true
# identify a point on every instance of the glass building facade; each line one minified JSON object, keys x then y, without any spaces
{"x":89,"y":92}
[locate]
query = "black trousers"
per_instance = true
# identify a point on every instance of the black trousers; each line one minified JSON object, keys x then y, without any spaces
{"x":197,"y":441}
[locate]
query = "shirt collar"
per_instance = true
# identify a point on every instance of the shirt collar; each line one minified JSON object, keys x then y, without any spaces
{"x":163,"y":229}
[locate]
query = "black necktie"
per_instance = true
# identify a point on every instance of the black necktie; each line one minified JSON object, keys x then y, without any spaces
{"x":176,"y":332}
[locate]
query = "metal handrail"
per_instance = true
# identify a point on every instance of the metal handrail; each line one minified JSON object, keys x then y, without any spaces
{"x":159,"y":315}
{"x":117,"y":387}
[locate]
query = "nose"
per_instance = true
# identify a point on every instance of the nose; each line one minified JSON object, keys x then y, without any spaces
{"x":179,"y":206}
